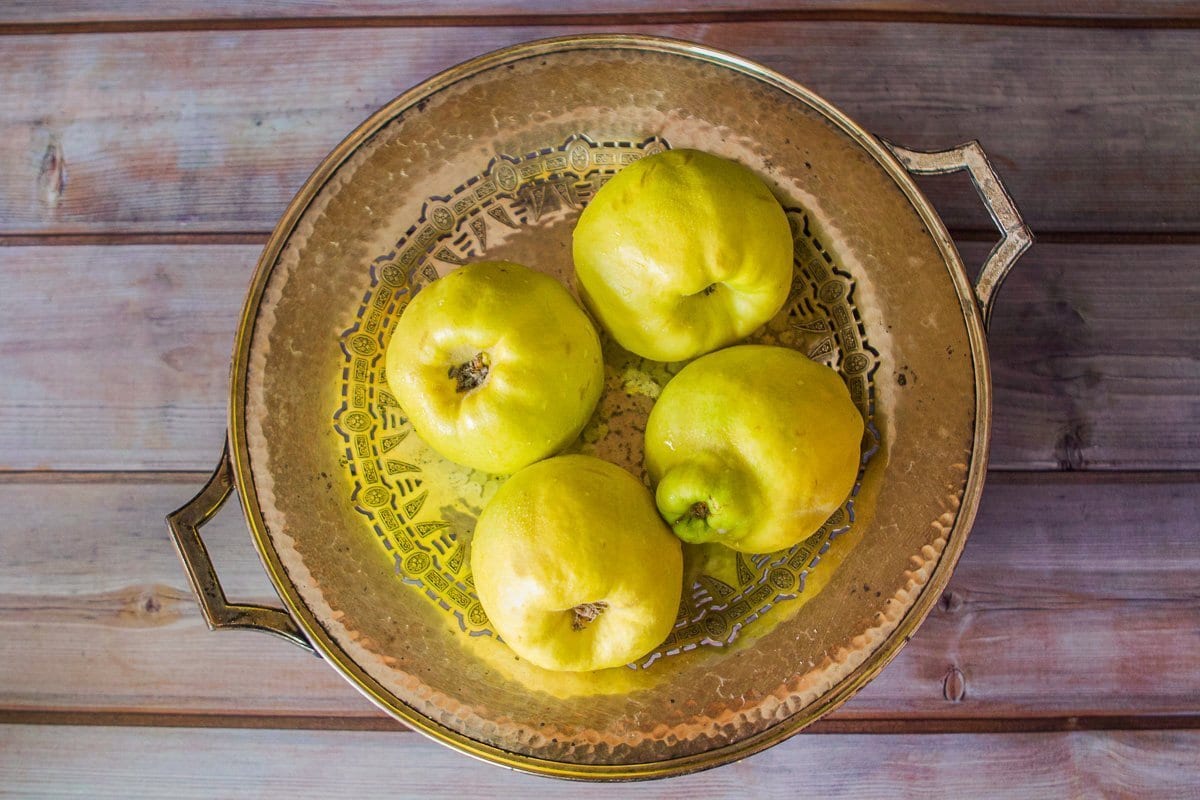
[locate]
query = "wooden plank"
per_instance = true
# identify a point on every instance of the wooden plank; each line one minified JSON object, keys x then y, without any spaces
{"x":117,"y":357}
{"x":1065,"y":585}
{"x":1057,"y":610}
{"x":29,"y":12}
{"x":204,"y":763}
{"x":97,"y":596}
{"x":1093,"y":129}
{"x":1094,"y":358}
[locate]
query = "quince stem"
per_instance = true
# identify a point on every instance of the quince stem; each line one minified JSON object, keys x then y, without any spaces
{"x":586,"y":613}
{"x":470,"y":374}
{"x":706,"y":500}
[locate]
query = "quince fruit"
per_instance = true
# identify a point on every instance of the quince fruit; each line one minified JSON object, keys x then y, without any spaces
{"x":683,"y":252}
{"x":574,"y":566}
{"x":496,"y":366}
{"x":753,"y":447}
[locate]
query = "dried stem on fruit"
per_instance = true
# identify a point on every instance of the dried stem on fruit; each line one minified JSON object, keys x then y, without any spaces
{"x":586,"y":613}
{"x":470,"y":374}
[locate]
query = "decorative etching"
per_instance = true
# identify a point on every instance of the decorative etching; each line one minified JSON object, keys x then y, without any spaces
{"x":424,"y":531}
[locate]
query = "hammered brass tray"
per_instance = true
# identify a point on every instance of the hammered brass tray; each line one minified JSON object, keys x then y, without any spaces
{"x":365,"y":531}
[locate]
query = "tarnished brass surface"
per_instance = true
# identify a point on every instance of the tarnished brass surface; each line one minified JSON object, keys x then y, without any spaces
{"x":363,"y":529}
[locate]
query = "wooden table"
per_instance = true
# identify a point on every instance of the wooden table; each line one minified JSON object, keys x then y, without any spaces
{"x":142,"y":165}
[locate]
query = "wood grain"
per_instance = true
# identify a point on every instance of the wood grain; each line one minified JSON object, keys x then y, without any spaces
{"x":146,"y":153}
{"x":399,"y":11}
{"x":1056,"y":610}
{"x":117,"y":357}
{"x":186,"y":763}
{"x":1092,"y":129}
{"x":1093,"y":357}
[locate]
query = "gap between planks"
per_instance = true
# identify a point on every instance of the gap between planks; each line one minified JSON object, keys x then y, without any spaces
{"x":837,"y":725}
{"x":1147,"y":238}
{"x":599,"y":20}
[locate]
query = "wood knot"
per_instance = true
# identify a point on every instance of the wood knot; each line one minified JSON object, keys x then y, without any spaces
{"x":950,"y":601}
{"x":145,"y":606}
{"x":1070,"y":446}
{"x":151,"y":604}
{"x":954,"y":685}
{"x":52,"y":174}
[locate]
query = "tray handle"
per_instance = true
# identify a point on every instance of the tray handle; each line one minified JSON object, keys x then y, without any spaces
{"x":1016,"y":237}
{"x":185,"y":523}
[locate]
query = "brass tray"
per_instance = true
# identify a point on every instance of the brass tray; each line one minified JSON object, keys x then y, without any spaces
{"x":364,"y":531}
